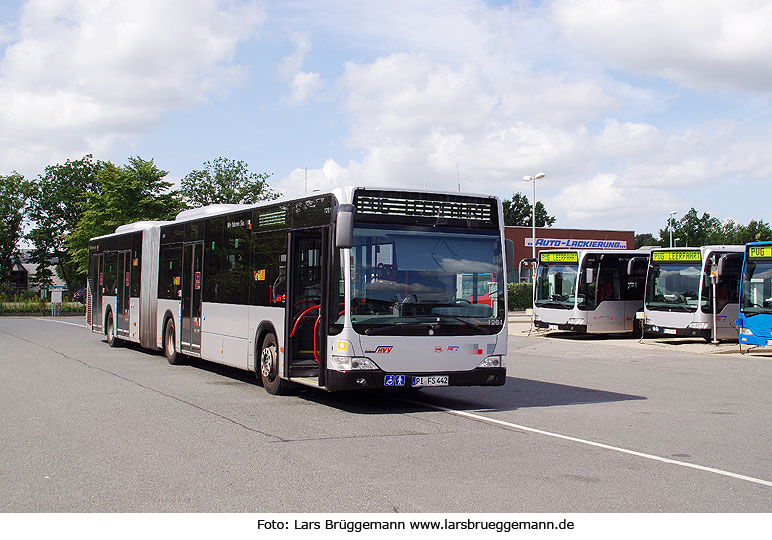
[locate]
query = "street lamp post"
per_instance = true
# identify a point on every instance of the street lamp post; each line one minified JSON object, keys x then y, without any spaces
{"x":671,"y":226}
{"x":533,"y":179}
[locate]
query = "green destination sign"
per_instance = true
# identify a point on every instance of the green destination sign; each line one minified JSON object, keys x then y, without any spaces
{"x":692,"y":255}
{"x":553,"y":257}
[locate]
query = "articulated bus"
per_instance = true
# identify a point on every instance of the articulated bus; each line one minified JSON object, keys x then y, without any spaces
{"x":755,"y":316}
{"x":355,"y":288}
{"x":679,"y":291}
{"x":590,"y":291}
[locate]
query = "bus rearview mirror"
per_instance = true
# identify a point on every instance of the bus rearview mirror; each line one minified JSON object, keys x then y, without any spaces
{"x":344,"y":226}
{"x":509,"y":246}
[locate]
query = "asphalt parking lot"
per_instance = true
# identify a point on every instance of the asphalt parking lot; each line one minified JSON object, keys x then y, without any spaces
{"x":582,"y":425}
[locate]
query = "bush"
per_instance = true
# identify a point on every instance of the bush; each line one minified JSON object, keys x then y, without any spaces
{"x":37,"y":306}
{"x":520,"y":296}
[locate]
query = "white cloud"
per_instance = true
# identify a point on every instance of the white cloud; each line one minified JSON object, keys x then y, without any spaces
{"x":704,"y":44}
{"x":82,"y":74}
{"x":303,"y":85}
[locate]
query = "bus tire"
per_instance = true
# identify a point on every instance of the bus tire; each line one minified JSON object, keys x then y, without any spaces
{"x":269,"y":366}
{"x":112,"y":341}
{"x":170,"y":344}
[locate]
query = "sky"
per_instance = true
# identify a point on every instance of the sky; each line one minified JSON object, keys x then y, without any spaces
{"x":632,"y":109}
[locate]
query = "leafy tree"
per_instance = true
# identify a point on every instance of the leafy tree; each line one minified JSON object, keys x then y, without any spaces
{"x":755,"y":231}
{"x":226,"y":181}
{"x":692,"y":230}
{"x":14,"y":195}
{"x":517,"y":211}
{"x":125,"y":194}
{"x":695,"y":230}
{"x":645,"y":239}
{"x":55,"y":208}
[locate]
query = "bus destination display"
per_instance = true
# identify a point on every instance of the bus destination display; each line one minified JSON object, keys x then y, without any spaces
{"x":676,"y":256}
{"x":568,"y":257}
{"x":760,"y":252}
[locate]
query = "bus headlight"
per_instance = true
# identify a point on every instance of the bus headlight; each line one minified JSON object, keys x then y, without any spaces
{"x":491,"y":361}
{"x":745,"y":331}
{"x":351,"y":363}
{"x":699,"y":325}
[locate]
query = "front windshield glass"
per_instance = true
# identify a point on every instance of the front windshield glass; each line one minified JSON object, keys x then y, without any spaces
{"x":674,"y":287}
{"x":426,"y":282}
{"x":556,"y":285}
{"x":757,"y":288}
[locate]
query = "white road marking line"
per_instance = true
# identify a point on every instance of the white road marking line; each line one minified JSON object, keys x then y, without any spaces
{"x":596,"y":444}
{"x":62,"y":322}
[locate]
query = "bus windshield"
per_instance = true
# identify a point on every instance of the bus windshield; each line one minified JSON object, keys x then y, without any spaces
{"x":556,"y":285}
{"x":757,"y":287}
{"x":674,"y":287}
{"x":426,"y":282}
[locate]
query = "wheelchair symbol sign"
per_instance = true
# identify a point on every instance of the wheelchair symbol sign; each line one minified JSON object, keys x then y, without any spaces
{"x":394,"y":380}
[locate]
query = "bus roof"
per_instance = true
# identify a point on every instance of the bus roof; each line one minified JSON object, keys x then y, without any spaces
{"x":344,"y":194}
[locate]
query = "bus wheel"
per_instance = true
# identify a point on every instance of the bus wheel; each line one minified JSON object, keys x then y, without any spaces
{"x":170,"y":342}
{"x":110,"y":330}
{"x":269,"y":366}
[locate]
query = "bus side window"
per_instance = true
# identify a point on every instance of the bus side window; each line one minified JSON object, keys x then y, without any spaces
{"x":237,"y":271}
{"x":608,"y":283}
{"x":269,"y":282}
{"x":170,"y":272}
{"x":213,"y":256}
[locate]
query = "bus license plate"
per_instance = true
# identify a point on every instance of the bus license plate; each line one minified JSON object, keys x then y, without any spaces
{"x":441,"y":380}
{"x":669,"y":331}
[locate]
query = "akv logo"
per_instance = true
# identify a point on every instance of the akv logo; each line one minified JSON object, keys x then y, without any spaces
{"x":381,"y":349}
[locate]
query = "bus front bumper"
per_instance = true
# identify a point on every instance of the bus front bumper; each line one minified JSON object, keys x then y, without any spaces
{"x":580,"y":328}
{"x":359,"y":380}
{"x":677,"y":332}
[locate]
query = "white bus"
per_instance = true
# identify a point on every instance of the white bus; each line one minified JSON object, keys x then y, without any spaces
{"x":590,"y":291}
{"x":679,"y":293}
{"x":356,"y":288}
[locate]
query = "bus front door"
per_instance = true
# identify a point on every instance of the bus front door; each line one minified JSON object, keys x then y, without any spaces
{"x":190,"y":320}
{"x":97,"y":282}
{"x":123,"y":301}
{"x":306,"y":314}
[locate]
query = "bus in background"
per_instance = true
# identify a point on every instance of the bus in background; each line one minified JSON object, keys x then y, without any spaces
{"x":679,"y":292}
{"x":355,"y":288}
{"x":755,"y":315}
{"x":590,"y":291}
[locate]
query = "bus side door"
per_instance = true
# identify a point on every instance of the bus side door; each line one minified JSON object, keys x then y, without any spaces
{"x":306,"y":313}
{"x":190,"y":316}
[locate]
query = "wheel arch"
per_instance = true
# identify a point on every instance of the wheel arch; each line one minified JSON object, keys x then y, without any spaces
{"x":167,"y":316}
{"x":263,"y":329}
{"x":108,"y":313}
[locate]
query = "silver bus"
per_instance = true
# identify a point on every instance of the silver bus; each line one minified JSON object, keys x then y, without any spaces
{"x":352,"y":289}
{"x":679,"y":298}
{"x":590,"y":291}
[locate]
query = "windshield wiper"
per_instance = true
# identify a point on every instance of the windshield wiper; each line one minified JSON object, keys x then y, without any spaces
{"x":672,"y":307}
{"x":553,"y":304}
{"x":387,"y":327}
{"x":461,"y":319}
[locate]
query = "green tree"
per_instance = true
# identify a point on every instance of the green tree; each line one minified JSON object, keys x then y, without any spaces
{"x":645,"y":239}
{"x":517,"y":211}
{"x":14,"y":195}
{"x":692,"y":230}
{"x":133,"y":192}
{"x":754,"y":231}
{"x":226,"y":181}
{"x":55,"y":208}
{"x":701,"y":230}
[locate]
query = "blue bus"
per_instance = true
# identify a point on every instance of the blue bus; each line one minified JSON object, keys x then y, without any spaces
{"x":755,"y":314}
